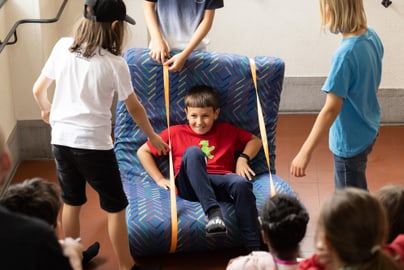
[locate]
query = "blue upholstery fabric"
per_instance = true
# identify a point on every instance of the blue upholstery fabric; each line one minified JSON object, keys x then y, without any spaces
{"x":148,"y":213}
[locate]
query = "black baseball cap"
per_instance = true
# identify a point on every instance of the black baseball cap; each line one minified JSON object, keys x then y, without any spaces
{"x":107,"y":11}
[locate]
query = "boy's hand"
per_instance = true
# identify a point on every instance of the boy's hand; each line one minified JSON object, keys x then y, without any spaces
{"x":243,"y":169}
{"x":164,"y":183}
{"x":45,"y":116}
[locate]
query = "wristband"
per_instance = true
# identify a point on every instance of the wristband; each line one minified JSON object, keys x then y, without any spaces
{"x":243,"y":155}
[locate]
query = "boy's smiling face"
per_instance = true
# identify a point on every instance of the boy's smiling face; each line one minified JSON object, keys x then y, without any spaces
{"x":200,"y":119}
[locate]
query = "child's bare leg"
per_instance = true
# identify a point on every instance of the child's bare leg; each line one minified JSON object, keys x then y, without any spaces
{"x":71,"y":220}
{"x":118,"y":234}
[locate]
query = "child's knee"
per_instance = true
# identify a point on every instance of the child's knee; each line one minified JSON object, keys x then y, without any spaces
{"x":194,"y":152}
{"x":242,"y":186}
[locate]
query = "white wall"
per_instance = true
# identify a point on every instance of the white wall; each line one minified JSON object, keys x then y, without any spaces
{"x":287,"y":29}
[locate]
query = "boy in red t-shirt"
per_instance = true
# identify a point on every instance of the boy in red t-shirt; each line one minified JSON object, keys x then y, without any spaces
{"x":205,"y":167}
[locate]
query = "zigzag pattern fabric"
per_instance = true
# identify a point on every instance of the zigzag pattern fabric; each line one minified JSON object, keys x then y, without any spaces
{"x":148,"y":213}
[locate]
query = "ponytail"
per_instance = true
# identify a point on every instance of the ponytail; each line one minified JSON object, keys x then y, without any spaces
{"x":379,"y":260}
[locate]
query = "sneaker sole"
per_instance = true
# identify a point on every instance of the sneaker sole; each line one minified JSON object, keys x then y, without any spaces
{"x":216,"y":234}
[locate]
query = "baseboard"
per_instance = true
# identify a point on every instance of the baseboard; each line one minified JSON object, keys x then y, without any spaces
{"x":13,"y":147}
{"x":34,"y":138}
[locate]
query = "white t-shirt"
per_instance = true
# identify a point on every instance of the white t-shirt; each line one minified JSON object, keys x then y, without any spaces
{"x":80,"y":115}
{"x":260,"y":260}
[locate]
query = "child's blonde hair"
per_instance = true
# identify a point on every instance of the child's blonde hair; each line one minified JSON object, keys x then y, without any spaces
{"x":343,"y":16}
{"x":90,"y":35}
{"x":354,"y":223}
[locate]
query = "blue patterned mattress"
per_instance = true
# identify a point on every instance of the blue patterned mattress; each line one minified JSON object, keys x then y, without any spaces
{"x":148,"y":213}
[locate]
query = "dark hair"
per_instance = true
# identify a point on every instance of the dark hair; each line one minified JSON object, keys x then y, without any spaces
{"x":284,"y":221}
{"x":91,"y":35}
{"x":392,"y":199}
{"x":354,"y":223}
{"x":35,"y":198}
{"x":202,"y":96}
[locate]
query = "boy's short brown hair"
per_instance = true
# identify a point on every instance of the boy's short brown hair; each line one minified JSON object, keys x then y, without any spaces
{"x":202,"y":96}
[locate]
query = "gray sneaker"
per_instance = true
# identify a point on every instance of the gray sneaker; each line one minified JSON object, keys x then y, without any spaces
{"x":215,"y":227}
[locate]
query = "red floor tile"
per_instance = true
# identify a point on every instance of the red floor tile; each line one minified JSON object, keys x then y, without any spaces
{"x":385,"y":166}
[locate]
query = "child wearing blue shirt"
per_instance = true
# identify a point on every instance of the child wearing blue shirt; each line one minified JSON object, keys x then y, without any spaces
{"x":351,"y":112}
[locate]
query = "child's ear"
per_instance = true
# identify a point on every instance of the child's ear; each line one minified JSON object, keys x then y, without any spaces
{"x":114,"y":24}
{"x":264,"y":237}
{"x":217,"y":111}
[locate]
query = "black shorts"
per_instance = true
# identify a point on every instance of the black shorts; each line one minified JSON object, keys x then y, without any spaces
{"x":99,"y":168}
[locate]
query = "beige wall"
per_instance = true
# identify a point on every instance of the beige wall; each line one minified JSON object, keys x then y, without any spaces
{"x":7,"y":111}
{"x":289,"y":30}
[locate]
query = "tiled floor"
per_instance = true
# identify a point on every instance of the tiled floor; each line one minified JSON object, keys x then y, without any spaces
{"x":386,"y":165}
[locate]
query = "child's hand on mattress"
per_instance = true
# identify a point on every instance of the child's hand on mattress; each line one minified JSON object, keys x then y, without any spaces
{"x":164,"y":183}
{"x":159,"y":144}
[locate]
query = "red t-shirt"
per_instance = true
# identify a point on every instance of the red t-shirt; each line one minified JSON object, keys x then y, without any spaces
{"x":220,"y":145}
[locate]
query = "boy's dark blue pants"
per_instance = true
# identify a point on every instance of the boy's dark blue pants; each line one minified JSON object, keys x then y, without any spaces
{"x":195,"y":184}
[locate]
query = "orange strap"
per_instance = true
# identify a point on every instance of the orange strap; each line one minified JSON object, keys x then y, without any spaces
{"x":262,"y":126}
{"x":173,"y":201}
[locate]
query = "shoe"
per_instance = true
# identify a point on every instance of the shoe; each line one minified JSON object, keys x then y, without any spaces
{"x":90,"y":253}
{"x":138,"y":267}
{"x":215,"y":227}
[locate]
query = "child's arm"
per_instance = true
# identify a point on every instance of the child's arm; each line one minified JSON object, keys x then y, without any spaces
{"x":251,"y":150}
{"x":138,"y":113}
{"x":177,"y":61}
{"x":40,"y":91}
{"x":150,"y":166}
{"x":159,"y":49}
{"x":324,"y":120}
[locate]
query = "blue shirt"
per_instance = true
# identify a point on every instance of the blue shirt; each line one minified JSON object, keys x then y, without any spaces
{"x":178,"y":20}
{"x":355,"y":76}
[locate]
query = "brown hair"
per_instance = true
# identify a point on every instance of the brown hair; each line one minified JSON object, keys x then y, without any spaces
{"x":392,"y":198}
{"x":90,"y":35}
{"x":202,"y":96}
{"x":355,"y":224}
{"x":35,"y":198}
{"x":343,"y":16}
